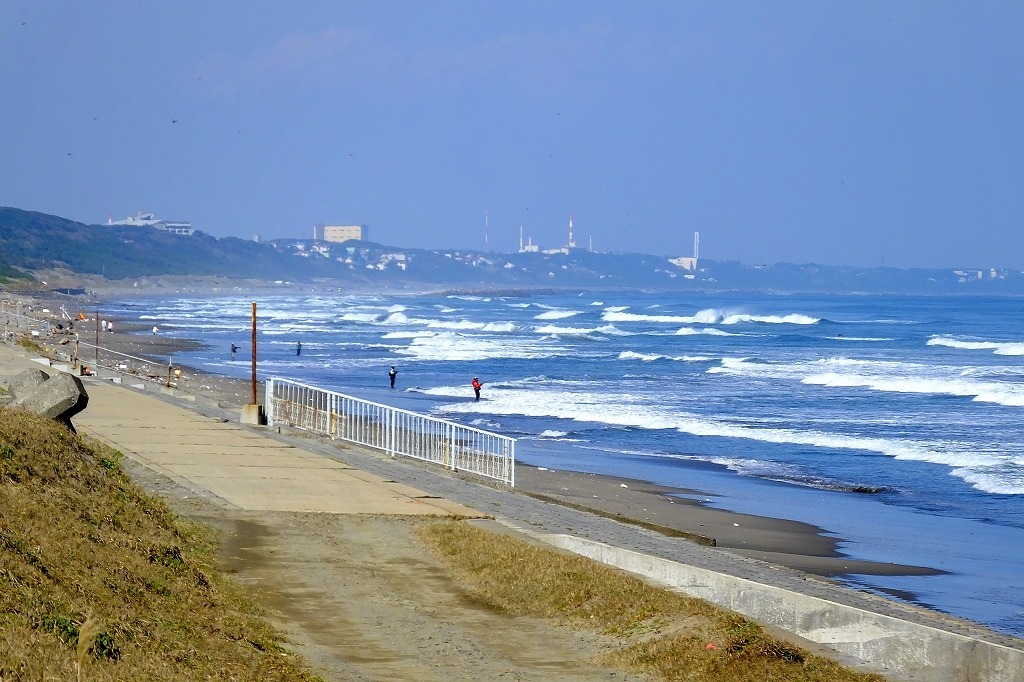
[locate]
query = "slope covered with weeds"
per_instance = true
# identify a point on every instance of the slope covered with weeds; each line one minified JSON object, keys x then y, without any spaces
{"x":664,"y":634}
{"x":96,"y":575}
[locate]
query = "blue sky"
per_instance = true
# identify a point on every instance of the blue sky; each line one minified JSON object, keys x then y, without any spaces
{"x":858,"y":133}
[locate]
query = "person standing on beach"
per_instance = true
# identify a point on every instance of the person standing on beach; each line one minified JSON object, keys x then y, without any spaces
{"x":298,"y":348}
{"x":104,"y":323}
{"x":234,"y":349}
{"x":155,"y":330}
{"x":392,"y":374}
{"x":110,"y":326}
{"x":476,"y":387}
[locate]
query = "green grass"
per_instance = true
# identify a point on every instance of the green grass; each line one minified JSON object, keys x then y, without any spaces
{"x":82,"y":550}
{"x":661,"y":633}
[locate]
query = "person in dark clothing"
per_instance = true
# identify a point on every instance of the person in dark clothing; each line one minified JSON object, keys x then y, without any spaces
{"x":298,"y":348}
{"x":234,"y":349}
{"x":392,"y":374}
{"x":476,"y":387}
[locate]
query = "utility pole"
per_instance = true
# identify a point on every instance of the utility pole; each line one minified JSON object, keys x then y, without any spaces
{"x":253,"y":353}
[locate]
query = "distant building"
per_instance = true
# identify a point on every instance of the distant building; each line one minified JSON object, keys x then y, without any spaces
{"x":341,"y":233}
{"x":685,"y":263}
{"x":143,"y":219}
{"x":689,"y":264}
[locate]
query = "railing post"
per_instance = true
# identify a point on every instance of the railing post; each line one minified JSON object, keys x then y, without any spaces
{"x":451,"y":447}
{"x":391,"y":431}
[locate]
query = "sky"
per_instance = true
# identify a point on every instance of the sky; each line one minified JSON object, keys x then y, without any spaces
{"x":864,"y":133}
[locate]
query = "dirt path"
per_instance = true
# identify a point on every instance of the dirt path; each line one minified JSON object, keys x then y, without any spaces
{"x":362,"y":599}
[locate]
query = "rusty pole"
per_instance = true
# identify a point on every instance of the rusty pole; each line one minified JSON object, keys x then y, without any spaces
{"x":253,"y":353}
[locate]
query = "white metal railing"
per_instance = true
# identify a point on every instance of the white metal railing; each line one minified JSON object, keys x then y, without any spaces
{"x":395,"y":431}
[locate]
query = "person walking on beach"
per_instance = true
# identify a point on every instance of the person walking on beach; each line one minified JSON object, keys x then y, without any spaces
{"x":155,"y":330}
{"x":392,"y":374}
{"x":234,"y":349}
{"x":476,"y":387}
{"x":104,"y":323}
{"x":298,"y":348}
{"x":110,"y":326}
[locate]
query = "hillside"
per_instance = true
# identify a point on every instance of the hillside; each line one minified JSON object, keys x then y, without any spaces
{"x":31,"y":242}
{"x":34,"y":241}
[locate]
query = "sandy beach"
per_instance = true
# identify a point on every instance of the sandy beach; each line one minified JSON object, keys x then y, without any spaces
{"x":671,"y":511}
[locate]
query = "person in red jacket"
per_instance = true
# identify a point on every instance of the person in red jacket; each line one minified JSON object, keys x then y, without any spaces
{"x":476,"y":387}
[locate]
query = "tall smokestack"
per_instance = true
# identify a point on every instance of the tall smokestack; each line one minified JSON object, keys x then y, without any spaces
{"x":696,"y":245}
{"x":572,"y":243}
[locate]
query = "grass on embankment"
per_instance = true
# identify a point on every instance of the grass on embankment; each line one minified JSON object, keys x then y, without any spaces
{"x":662,"y":633}
{"x":99,"y":581}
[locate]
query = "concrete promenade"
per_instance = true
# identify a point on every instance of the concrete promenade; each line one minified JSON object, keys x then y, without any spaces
{"x":205,"y":449}
{"x":243,"y":468}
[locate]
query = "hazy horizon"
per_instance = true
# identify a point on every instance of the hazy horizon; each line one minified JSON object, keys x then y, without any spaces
{"x":860,"y":134}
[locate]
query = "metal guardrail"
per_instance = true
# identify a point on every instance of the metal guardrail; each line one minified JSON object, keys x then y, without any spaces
{"x":392,"y":430}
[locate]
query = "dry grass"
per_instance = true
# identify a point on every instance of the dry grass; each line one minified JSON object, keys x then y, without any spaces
{"x":30,"y":344}
{"x":660,"y":632}
{"x":99,"y":578}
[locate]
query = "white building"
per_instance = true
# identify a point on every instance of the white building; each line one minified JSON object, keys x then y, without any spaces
{"x":143,"y":219}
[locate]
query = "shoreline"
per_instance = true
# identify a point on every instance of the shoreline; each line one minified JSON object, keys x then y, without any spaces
{"x":671,"y":511}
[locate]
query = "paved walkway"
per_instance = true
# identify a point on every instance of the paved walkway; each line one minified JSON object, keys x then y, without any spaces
{"x":244,"y":468}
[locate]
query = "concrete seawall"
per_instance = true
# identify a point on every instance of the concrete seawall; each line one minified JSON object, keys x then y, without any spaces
{"x":889,"y":644}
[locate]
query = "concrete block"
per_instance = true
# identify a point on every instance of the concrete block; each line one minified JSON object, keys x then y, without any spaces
{"x":61,"y":396}
{"x":25,"y":382}
{"x":253,"y":414}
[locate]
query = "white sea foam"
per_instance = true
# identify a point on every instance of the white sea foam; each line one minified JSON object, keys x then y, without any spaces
{"x":885,"y":376}
{"x":709,"y":316}
{"x":406,"y":335}
{"x":449,"y":346}
{"x":792,"y":318}
{"x":396,"y":318}
{"x":706,"y":331}
{"x":469,"y":325}
{"x":553,"y":329}
{"x":360,"y":317}
{"x":997,"y":347}
{"x":556,"y":314}
{"x":631,"y":412}
{"x":650,"y":357}
{"x":551,"y":433}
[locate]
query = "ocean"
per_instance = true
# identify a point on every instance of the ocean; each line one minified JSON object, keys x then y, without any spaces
{"x":892,"y":422}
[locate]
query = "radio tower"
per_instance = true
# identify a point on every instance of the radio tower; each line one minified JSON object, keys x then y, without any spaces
{"x":572,"y":242}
